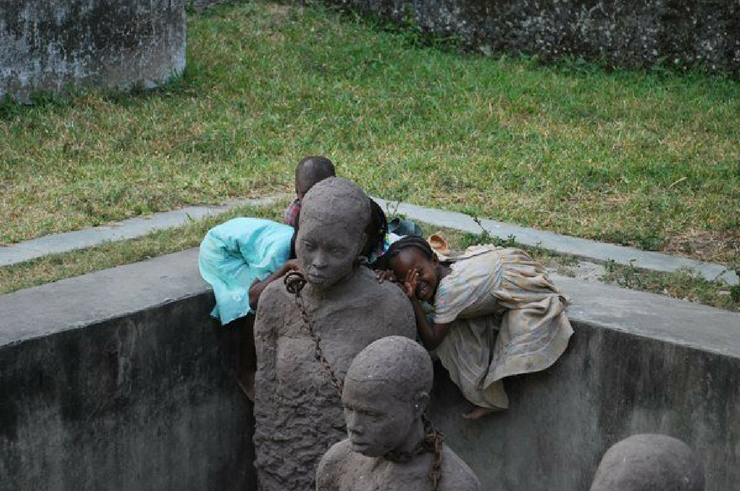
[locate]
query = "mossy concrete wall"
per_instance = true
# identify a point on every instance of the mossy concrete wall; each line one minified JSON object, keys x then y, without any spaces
{"x":48,"y":46}
{"x":118,"y":380}
{"x":637,"y":33}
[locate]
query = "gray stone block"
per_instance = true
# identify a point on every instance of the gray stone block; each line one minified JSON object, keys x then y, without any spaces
{"x":47,"y":46}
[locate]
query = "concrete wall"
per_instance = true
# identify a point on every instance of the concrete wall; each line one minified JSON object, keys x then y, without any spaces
{"x":619,"y":377}
{"x":118,"y":380}
{"x":47,"y":45}
{"x":635,"y":33}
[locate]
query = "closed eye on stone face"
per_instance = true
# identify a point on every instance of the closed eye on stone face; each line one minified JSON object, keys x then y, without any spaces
{"x":337,"y":251}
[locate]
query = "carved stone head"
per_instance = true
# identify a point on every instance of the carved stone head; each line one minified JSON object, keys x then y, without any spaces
{"x":331,"y":231}
{"x":649,"y":463}
{"x":386,"y":391}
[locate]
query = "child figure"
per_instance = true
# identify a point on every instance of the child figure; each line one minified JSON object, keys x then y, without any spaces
{"x":496,"y":314}
{"x":308,"y":172}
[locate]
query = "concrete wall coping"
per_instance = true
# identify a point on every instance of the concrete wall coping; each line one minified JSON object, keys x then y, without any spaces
{"x":107,"y":294}
{"x":77,"y":302}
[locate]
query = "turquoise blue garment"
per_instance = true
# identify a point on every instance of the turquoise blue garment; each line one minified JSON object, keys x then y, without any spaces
{"x":237,"y":253}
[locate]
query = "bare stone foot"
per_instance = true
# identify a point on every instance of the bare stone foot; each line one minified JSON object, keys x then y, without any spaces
{"x":479,"y":412}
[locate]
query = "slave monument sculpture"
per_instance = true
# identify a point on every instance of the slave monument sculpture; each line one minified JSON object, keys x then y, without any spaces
{"x":338,"y":311}
{"x":391,"y":447}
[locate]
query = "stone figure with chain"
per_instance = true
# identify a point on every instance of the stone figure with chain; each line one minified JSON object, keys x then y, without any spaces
{"x":298,"y":412}
{"x":391,"y":447}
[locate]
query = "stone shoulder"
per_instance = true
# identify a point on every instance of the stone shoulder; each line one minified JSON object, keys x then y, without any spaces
{"x":331,"y":465}
{"x":390,"y":299}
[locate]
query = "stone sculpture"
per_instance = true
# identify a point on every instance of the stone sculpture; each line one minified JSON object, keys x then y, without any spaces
{"x":298,"y":409}
{"x":649,"y":463}
{"x":390,"y":446}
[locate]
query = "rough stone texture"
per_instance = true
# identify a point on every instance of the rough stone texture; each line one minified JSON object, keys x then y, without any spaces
{"x":385,"y":394}
{"x":119,"y":380}
{"x":297,"y":408}
{"x":649,"y":463}
{"x":47,"y":46}
{"x":642,"y":32}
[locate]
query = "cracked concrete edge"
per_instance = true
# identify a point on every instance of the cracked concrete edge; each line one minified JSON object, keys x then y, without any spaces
{"x":124,"y":230}
{"x":562,"y":244}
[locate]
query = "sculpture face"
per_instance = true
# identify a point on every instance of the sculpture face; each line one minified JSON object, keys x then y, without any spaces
{"x":334,"y":215}
{"x":378,"y":421}
{"x":326,"y":253}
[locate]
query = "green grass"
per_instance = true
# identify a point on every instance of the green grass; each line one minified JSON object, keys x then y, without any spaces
{"x":682,"y":285}
{"x":66,"y":265}
{"x":639,"y":158}
{"x":60,"y":266}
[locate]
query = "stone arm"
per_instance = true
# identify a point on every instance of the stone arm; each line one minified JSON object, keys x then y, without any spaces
{"x":266,"y":330}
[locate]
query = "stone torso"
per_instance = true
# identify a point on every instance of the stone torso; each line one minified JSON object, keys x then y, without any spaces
{"x":298,"y":410}
{"x":344,"y":470}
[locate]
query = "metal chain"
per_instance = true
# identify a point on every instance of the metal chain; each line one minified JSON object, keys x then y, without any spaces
{"x":294,"y":283}
{"x":432,"y":442}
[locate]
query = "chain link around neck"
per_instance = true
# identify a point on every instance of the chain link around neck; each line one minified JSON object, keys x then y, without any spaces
{"x":294,"y":283}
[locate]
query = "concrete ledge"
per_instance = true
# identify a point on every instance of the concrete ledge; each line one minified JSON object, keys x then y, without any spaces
{"x":127,"y":229}
{"x":118,"y":380}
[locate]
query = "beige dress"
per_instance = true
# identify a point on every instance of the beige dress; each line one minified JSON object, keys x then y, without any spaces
{"x":508,"y":319}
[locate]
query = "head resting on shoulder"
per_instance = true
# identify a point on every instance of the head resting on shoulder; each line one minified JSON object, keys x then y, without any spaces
{"x":310,"y":171}
{"x":413,"y":253}
{"x":649,"y":463}
{"x":386,"y":391}
{"x":332,"y":231}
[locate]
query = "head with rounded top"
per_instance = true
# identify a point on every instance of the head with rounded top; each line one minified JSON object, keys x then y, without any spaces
{"x":649,"y":463}
{"x":331,"y":232}
{"x":310,"y":171}
{"x":386,"y":391}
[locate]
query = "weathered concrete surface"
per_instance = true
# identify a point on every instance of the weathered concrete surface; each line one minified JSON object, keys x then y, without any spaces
{"x":638,"y":363}
{"x":47,"y":46}
{"x":108,"y":385}
{"x":119,"y":380}
{"x":637,"y":33}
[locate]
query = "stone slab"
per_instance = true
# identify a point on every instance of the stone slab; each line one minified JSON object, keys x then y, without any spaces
{"x":111,"y":293}
{"x":563,"y":244}
{"x":111,"y":44}
{"x":127,"y":229}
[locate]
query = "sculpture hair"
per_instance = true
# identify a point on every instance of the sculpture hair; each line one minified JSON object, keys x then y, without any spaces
{"x":394,"y":360}
{"x":407,"y":242}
